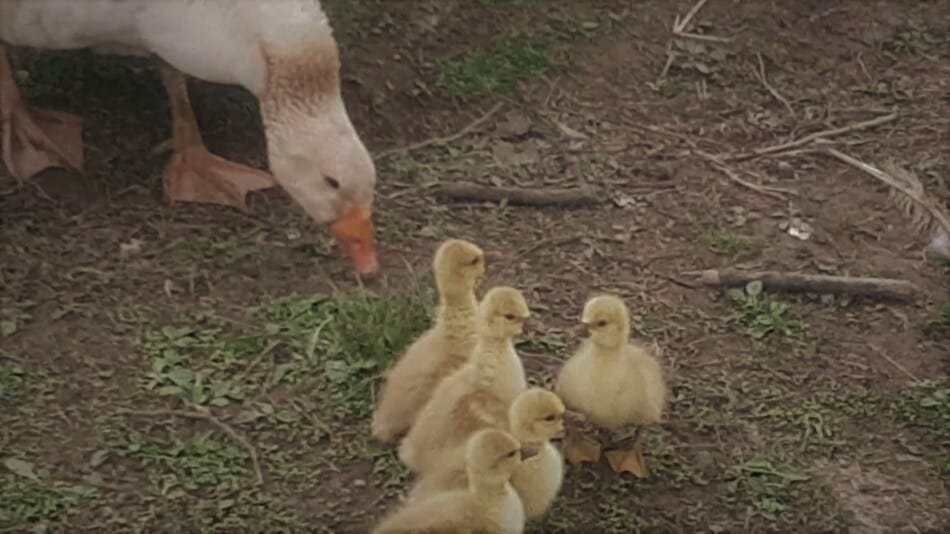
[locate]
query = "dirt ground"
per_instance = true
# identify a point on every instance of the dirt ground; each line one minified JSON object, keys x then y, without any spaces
{"x":123,"y":319}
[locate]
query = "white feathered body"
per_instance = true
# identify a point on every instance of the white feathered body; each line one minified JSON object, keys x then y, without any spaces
{"x":214,"y":40}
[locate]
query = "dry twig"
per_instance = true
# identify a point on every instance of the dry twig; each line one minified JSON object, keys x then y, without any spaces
{"x":877,"y":121}
{"x":774,"y":192}
{"x":893,"y":362}
{"x":546,"y":242}
{"x":812,"y":283}
{"x":578,"y":196}
{"x":443,"y":140}
{"x":760,"y":74}
{"x":679,"y":30}
{"x":207,"y":416}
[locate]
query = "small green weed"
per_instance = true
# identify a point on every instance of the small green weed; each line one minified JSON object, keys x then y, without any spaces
{"x":762,"y":317}
{"x":942,"y":318}
{"x":724,"y":242}
{"x":13,"y":382}
{"x":509,"y":59}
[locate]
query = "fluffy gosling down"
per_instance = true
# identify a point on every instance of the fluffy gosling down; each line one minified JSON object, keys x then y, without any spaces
{"x":458,"y":266}
{"x":536,"y":416}
{"x":614,"y":383}
{"x":487,"y":504}
{"x":477,"y":395}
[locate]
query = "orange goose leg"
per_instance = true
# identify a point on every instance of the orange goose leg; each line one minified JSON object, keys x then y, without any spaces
{"x":194,"y":174}
{"x":37,"y":139}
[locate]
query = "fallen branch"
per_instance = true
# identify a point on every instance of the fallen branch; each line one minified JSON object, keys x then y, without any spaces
{"x":814,"y":283}
{"x":206,"y":416}
{"x":444,"y":140}
{"x":580,"y":196}
{"x":877,"y":121}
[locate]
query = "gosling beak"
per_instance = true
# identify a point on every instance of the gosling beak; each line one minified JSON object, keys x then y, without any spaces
{"x":354,"y":231}
{"x":529,"y":451}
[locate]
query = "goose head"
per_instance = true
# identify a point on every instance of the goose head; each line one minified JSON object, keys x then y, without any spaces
{"x":313,"y":149}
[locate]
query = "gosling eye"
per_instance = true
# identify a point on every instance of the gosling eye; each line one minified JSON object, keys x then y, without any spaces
{"x":601,"y":324}
{"x":512,"y":454}
{"x":510,"y":316}
{"x":550,"y":418}
{"x":332,"y":182}
{"x":476,"y":260}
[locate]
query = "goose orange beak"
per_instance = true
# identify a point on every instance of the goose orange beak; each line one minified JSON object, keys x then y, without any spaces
{"x":354,"y":231}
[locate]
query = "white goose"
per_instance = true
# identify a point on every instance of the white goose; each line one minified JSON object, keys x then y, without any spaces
{"x":282,"y":51}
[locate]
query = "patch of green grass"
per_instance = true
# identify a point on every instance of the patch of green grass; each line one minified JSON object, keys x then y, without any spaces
{"x":177,"y":466}
{"x":509,"y":59}
{"x":32,"y":498}
{"x":192,"y":364}
{"x":762,"y":317}
{"x":915,"y":41}
{"x":771,"y":488}
{"x":926,"y":405}
{"x":219,"y":254}
{"x":335,"y":347}
{"x":724,"y":242}
{"x":352,"y":337}
{"x":202,"y":481}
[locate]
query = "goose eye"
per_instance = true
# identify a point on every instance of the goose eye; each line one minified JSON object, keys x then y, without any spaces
{"x":510,"y":316}
{"x":476,"y":260}
{"x":550,"y":418}
{"x":332,"y":182}
{"x":601,"y":324}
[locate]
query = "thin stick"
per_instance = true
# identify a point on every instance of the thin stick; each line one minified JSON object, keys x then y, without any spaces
{"x":769,"y":88}
{"x":682,"y":23}
{"x":439,"y":141}
{"x":701,"y":37}
{"x":934,"y":211}
{"x":774,"y":192}
{"x":893,"y":362}
{"x":547,"y":242}
{"x":206,"y":416}
{"x":812,"y":283}
{"x":877,"y":121}
{"x":578,"y":196}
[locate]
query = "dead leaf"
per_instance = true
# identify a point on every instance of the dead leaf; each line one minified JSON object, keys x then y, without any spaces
{"x":515,"y":125}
